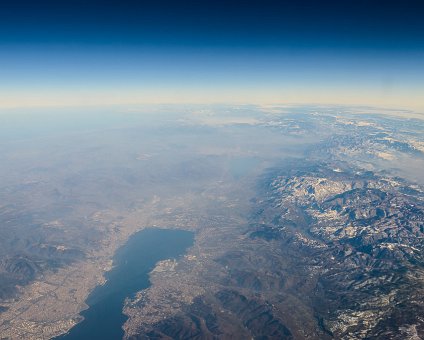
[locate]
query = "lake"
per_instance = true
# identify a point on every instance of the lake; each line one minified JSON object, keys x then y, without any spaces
{"x":130,"y":274}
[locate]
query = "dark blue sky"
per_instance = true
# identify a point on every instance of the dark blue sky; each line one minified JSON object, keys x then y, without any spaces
{"x":308,"y":24}
{"x":287,"y":48}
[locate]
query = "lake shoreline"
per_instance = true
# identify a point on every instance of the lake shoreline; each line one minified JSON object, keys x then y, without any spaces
{"x":130,"y":274}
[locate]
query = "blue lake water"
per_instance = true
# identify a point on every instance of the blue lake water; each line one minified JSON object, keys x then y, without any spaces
{"x":132,"y":264}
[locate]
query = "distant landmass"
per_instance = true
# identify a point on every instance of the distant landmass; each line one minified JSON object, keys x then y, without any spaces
{"x":308,"y":223}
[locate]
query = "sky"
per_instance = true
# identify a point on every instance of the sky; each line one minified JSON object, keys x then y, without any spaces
{"x":72,"y":52}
